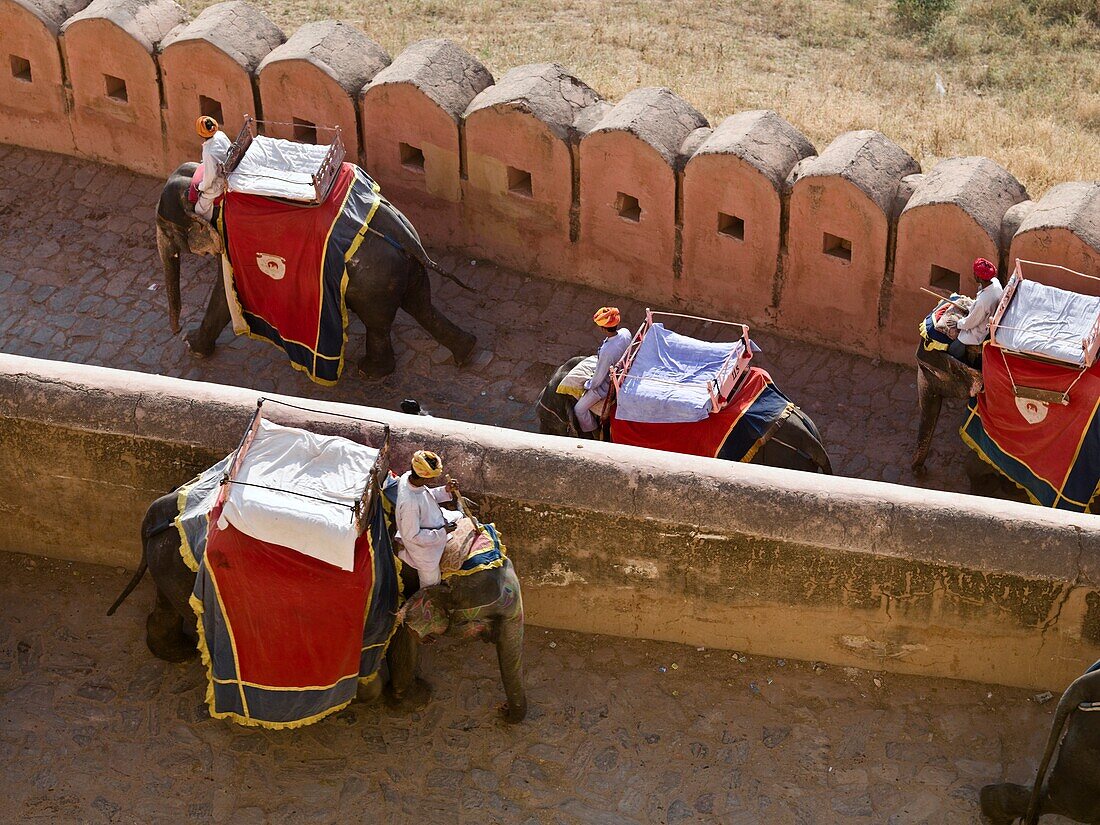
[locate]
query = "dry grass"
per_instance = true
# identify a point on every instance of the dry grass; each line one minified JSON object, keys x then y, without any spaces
{"x":1022,"y":76}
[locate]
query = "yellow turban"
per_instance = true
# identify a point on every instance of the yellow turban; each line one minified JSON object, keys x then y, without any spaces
{"x":427,"y":464}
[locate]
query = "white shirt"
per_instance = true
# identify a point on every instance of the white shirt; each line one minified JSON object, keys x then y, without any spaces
{"x":611,"y":350}
{"x":215,"y":150}
{"x":420,"y":526}
{"x":974,"y":328}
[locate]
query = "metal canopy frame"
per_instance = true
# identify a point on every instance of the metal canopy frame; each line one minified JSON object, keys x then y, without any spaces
{"x":721,"y":388}
{"x":362,"y":511}
{"x":323,"y":178}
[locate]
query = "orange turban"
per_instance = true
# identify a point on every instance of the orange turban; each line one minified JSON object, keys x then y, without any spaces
{"x":606,"y":317}
{"x":206,"y":126}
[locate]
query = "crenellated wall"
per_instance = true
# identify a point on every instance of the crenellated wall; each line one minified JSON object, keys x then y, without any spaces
{"x":539,"y":172}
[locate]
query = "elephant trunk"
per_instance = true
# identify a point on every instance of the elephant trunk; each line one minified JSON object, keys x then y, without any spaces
{"x":169,"y":250}
{"x":929,"y":401}
{"x":509,"y":639}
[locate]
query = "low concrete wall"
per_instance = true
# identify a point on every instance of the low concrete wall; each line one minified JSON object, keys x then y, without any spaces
{"x":612,"y":539}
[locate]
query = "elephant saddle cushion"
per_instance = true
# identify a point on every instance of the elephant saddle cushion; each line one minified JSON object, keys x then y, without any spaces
{"x":734,"y":433}
{"x":284,"y":268}
{"x":285,"y":638}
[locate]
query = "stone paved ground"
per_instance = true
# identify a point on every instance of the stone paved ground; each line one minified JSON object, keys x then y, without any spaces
{"x":94,"y":729}
{"x":80,"y":281}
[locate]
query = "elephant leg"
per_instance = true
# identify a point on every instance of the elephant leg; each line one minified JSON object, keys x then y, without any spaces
{"x":406,"y":690}
{"x":1006,"y":802}
{"x":369,"y":692}
{"x":165,"y":635}
{"x":930,"y":402}
{"x":202,"y":340}
{"x":509,"y":640}
{"x":379,"y":360}
{"x":418,"y":303}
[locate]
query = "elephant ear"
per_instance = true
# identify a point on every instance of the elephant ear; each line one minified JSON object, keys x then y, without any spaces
{"x":477,"y":590}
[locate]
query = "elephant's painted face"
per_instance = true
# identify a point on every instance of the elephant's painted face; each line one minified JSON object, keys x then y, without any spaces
{"x":425,"y":614}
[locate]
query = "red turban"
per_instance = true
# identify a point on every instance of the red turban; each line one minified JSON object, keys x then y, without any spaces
{"x":984,"y":270}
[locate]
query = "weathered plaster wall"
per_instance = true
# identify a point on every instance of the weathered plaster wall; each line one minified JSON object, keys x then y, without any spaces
{"x":609,"y":539}
{"x":539,"y":172}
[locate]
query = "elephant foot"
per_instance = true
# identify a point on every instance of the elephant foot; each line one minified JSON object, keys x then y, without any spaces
{"x":512,"y":714}
{"x":369,"y":692}
{"x":415,"y":697}
{"x":167,"y":641}
{"x":197,"y":348}
{"x":464,"y":350}
{"x":372,"y":370}
{"x":1003,"y":804}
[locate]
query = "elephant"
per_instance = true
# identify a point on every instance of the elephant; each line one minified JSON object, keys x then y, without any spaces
{"x":385,"y":274}
{"x":486,"y":604}
{"x":1072,"y":789}
{"x":794,"y":445}
{"x":939,"y":376}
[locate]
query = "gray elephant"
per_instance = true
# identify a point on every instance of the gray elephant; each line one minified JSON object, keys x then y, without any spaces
{"x":386,"y":274}
{"x":1072,"y":789}
{"x":794,"y":445}
{"x":487,"y":605}
{"x":939,"y":376}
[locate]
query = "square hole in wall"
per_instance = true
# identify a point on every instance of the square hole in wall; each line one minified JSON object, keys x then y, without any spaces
{"x":943,"y":278}
{"x":115,"y":88}
{"x":412,"y":158}
{"x":731,"y":226}
{"x":20,"y":68}
{"x":628,"y":207}
{"x":519,"y":182}
{"x":837,"y":246}
{"x":305,"y":131}
{"x":209,"y":107}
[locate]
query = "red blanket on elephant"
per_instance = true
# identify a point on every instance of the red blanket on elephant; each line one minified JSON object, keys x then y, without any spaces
{"x":286,"y":637}
{"x":733,"y":433}
{"x":1050,"y":450}
{"x":285,"y":276}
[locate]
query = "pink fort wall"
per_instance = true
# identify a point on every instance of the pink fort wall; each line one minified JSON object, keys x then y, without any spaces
{"x":399,"y":121}
{"x":109,"y":48}
{"x":32,"y":96}
{"x":207,"y":71}
{"x":542,"y":174}
{"x":632,"y":254}
{"x":525,"y":225}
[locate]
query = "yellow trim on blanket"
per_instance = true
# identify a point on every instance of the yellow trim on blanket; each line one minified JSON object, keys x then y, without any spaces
{"x":236,"y":310}
{"x":489,"y":565}
{"x":766,"y":437}
{"x":572,"y":392}
{"x":973,"y":445}
{"x":208,"y":663}
{"x":736,"y":421}
{"x":186,"y":551}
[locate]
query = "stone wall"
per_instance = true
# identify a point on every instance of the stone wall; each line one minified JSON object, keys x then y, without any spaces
{"x":539,"y":172}
{"x":607,"y":538}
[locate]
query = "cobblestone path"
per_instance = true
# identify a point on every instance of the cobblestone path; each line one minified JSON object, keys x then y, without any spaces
{"x":94,"y":729}
{"x":80,"y":281}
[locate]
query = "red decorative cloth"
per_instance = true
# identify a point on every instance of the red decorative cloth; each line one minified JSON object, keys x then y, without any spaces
{"x":1051,"y":450}
{"x":732,"y":433}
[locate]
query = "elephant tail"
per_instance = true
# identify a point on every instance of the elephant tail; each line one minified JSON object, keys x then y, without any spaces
{"x":130,"y":587}
{"x":399,"y":233}
{"x":146,"y":534}
{"x":1073,"y":696}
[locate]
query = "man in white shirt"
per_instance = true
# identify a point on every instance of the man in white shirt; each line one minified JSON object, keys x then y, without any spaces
{"x":215,"y":150}
{"x":974,"y":328}
{"x":611,"y":350}
{"x":422,"y":525}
